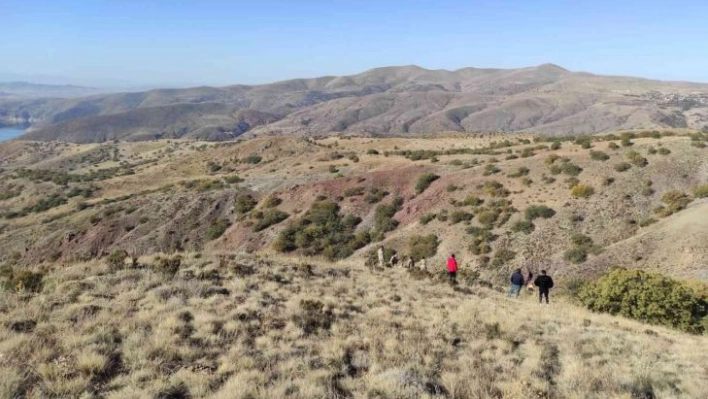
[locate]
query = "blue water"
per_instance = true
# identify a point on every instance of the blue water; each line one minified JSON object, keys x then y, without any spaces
{"x":7,"y":133}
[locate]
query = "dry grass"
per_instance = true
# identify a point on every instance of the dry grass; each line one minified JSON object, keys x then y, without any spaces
{"x":255,"y":328}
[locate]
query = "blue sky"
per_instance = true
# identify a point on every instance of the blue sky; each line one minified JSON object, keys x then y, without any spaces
{"x":180,"y":42}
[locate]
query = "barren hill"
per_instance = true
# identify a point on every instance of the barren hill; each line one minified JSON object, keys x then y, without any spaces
{"x":193,"y":269}
{"x":405,"y":100}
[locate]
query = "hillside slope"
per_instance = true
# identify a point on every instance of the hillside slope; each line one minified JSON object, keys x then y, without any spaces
{"x":240,"y":327}
{"x":385,"y":101}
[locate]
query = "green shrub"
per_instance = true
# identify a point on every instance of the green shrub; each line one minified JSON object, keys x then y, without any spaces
{"x":23,"y":281}
{"x":580,"y":240}
{"x":217,"y":228}
{"x":701,"y":191}
{"x":451,"y":187}
{"x":576,"y":255}
{"x":502,"y":256}
{"x":648,"y":297}
{"x":599,"y":156}
{"x":272,"y":201}
{"x":322,"y":230}
{"x":116,"y":260}
{"x":612,"y":146}
{"x":233,"y":179}
{"x":674,"y":201}
{"x":522,"y":171}
{"x":626,"y":142}
{"x":424,"y":182}
{"x":460,"y":216}
{"x":421,"y":247}
{"x":556,"y":145}
{"x":313,"y":317}
{"x":490,"y":170}
{"x":253,"y":159}
{"x":539,"y":211}
{"x":383,"y":217}
{"x":372,"y":152}
{"x":244,"y":203}
{"x":427,"y":218}
{"x":168,"y":266}
{"x":664,"y":151}
{"x":637,"y":159}
{"x":623,"y":166}
{"x":354,"y":191}
{"x":269,"y":218}
{"x":647,"y":222}
{"x":472,"y":201}
{"x":375,"y":195}
{"x":551,"y":159}
{"x":495,"y":189}
{"x":582,"y":191}
{"x":524,"y":226}
{"x":487,"y":218}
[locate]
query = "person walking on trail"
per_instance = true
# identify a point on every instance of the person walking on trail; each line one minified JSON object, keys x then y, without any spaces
{"x":517,"y":281}
{"x":452,"y":268}
{"x":544,"y":284}
{"x":380,"y":254}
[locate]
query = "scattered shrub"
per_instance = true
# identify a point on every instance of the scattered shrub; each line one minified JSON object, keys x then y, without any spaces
{"x":495,"y":189}
{"x":612,"y":146}
{"x":427,"y":218}
{"x":168,"y":266}
{"x":539,"y":211}
{"x":502,"y":256}
{"x":523,"y":226}
{"x":116,"y":260}
{"x":217,"y":228}
{"x":244,"y":203}
{"x":383,"y":218}
{"x":599,"y":156}
{"x":269,"y":218}
{"x":556,"y":145}
{"x":623,"y":166}
{"x":576,"y":255}
{"x":701,"y":191}
{"x":272,"y":201}
{"x":313,"y":317}
{"x":522,"y":171}
{"x":472,"y":201}
{"x":421,"y":247}
{"x":375,"y":195}
{"x":252,"y":159}
{"x":23,"y":281}
{"x":674,"y":201}
{"x":637,"y":159}
{"x":582,"y":191}
{"x":460,"y":216}
{"x":664,"y":151}
{"x":424,"y":182}
{"x":648,"y":297}
{"x":322,"y":230}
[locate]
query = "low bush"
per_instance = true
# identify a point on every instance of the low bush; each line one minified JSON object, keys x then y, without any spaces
{"x":424,"y":182}
{"x":637,"y":159}
{"x":650,"y":298}
{"x":217,"y":228}
{"x":375,"y":195}
{"x":272,"y":201}
{"x":244,"y":203}
{"x":460,"y":216}
{"x":674,"y":201}
{"x":495,"y":189}
{"x":539,"y":211}
{"x":116,"y":260}
{"x":322,"y":230}
{"x":168,"y":266}
{"x":383,"y":217}
{"x":427,"y":218}
{"x":523,"y":226}
{"x":522,"y":171}
{"x":612,"y":146}
{"x":23,"y":281}
{"x":701,"y":191}
{"x":599,"y":156}
{"x":313,"y":317}
{"x":576,"y":255}
{"x":269,"y":218}
{"x":623,"y":166}
{"x":582,"y":191}
{"x":252,"y":159}
{"x":421,"y":247}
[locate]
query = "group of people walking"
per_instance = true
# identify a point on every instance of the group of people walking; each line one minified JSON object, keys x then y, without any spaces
{"x":544,"y":282}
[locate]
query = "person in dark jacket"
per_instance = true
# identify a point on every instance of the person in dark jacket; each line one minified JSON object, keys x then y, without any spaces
{"x":517,"y":281}
{"x":544,"y":284}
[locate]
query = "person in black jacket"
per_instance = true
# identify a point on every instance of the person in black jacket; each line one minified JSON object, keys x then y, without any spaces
{"x":517,"y":281}
{"x":544,"y":284}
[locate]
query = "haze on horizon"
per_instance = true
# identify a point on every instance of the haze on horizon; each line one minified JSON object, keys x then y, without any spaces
{"x":161,"y":43}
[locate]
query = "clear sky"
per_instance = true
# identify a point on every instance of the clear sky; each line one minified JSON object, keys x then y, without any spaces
{"x":181,"y":42}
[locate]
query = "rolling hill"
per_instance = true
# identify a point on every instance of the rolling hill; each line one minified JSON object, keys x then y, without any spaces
{"x":407,"y":100}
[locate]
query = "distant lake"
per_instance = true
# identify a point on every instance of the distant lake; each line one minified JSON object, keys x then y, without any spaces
{"x":7,"y":133}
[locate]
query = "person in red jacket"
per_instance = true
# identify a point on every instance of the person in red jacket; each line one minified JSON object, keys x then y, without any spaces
{"x":452,"y":268}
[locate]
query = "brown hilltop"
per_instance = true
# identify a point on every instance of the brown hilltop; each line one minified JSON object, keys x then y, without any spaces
{"x":406,"y":100}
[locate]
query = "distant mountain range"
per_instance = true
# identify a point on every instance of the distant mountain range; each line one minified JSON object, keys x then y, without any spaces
{"x":21,"y":90}
{"x":406,"y":100}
